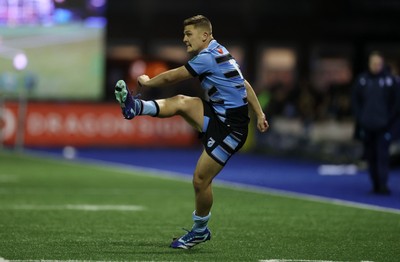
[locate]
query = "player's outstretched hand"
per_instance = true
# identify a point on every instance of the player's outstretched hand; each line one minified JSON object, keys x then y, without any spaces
{"x":262,"y":123}
{"x":142,"y":80}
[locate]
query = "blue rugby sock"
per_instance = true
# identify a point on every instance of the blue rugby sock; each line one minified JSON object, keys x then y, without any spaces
{"x":150,"y":108}
{"x":200,"y":223}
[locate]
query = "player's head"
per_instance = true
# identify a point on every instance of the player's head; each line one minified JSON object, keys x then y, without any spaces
{"x":197,"y":31}
{"x":375,"y":62}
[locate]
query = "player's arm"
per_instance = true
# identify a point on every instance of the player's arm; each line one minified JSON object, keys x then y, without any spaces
{"x":166,"y":78}
{"x":252,"y":99}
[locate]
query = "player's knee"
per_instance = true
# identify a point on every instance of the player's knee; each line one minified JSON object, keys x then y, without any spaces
{"x":184,"y":103}
{"x":199,"y":183}
{"x":180,"y":99}
{"x":179,"y":102}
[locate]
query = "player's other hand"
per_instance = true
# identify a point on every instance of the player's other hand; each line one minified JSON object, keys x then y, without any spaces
{"x":143,"y":79}
{"x":262,"y":123}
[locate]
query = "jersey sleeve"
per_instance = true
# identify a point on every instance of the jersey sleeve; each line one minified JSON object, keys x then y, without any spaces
{"x":200,"y":64}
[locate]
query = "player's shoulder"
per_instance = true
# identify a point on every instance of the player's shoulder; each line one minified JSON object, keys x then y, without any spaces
{"x":210,"y":53}
{"x":204,"y":56}
{"x":216,"y":49}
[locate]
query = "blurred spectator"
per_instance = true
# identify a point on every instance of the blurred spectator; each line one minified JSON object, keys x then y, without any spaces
{"x":376,"y":105}
{"x":314,"y":103}
{"x":341,"y":101}
{"x":279,"y":100}
{"x":327,"y":94}
{"x":277,"y":78}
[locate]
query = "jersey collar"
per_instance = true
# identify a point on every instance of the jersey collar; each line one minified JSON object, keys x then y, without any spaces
{"x":213,"y":44}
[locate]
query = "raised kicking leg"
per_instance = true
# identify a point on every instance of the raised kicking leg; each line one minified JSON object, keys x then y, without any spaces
{"x":190,"y":108}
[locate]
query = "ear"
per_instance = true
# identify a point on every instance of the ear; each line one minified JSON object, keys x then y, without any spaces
{"x":204,"y":36}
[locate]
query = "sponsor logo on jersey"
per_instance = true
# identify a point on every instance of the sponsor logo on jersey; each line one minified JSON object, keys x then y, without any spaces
{"x":210,"y":142}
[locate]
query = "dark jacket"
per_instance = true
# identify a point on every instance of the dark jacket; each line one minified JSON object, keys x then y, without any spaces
{"x":376,"y":101}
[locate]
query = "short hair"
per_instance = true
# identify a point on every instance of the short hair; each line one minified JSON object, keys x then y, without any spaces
{"x":199,"y":21}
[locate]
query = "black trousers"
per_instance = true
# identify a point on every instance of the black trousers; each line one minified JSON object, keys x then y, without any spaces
{"x":376,"y":146}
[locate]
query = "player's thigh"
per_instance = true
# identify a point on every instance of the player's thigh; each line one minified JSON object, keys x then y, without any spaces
{"x":206,"y":169}
{"x":192,"y":110}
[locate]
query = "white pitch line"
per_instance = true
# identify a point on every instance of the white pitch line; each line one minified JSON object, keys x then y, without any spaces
{"x":308,"y":197}
{"x":153,"y":172}
{"x":77,"y":207}
{"x":176,"y":176}
{"x":302,"y":260}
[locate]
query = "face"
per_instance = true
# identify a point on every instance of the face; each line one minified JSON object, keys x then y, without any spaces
{"x":375,"y":64}
{"x":194,"y":39}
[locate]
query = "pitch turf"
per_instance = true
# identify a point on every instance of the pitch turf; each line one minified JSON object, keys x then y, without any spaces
{"x":42,"y":204}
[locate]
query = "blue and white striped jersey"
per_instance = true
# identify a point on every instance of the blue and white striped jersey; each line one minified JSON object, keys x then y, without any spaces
{"x":221,"y":78}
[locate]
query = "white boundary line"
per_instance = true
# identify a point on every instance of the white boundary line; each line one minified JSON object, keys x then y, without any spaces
{"x":302,"y":260}
{"x":152,"y":172}
{"x":46,"y":260}
{"x":79,"y":207}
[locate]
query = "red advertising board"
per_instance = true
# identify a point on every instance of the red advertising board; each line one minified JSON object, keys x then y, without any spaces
{"x":60,"y":124}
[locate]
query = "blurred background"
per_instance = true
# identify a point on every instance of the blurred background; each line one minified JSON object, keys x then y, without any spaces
{"x":60,"y":59}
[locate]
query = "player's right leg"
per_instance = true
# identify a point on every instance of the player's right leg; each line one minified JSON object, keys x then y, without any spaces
{"x":131,"y":106}
{"x":190,"y":108}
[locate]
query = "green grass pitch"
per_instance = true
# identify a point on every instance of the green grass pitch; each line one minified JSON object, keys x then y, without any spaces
{"x":39,"y":219}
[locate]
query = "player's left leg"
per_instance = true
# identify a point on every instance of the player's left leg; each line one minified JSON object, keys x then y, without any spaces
{"x":206,"y":169}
